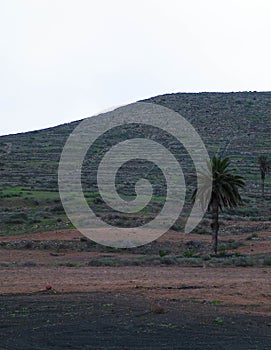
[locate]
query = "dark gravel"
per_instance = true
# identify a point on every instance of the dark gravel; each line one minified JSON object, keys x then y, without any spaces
{"x":107,"y":321}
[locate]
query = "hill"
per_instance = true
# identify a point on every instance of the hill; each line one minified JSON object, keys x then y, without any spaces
{"x":235,"y":124}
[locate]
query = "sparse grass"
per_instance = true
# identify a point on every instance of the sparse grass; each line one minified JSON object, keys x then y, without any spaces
{"x":168,"y":325}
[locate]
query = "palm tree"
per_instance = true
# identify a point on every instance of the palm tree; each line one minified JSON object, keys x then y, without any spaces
{"x":225,"y":192}
{"x":264,"y":166}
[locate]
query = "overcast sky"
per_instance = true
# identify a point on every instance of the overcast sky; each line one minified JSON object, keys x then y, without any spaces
{"x":62,"y":60}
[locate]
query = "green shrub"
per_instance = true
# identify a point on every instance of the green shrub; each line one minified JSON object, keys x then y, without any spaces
{"x":206,"y":257}
{"x":103,"y":262}
{"x":193,"y":262}
{"x":187,"y":254}
{"x":163,"y":252}
{"x":222,"y":252}
{"x":231,"y":244}
{"x":234,"y":244}
{"x":202,"y":231}
{"x":218,"y":320}
{"x":267,"y":261}
{"x":57,"y":209}
{"x":169,"y":260}
{"x":222,"y":247}
{"x":243,"y":261}
{"x":17,"y":218}
{"x":250,"y":237}
{"x":28,"y":244}
{"x":29,"y":264}
{"x":72,"y":264}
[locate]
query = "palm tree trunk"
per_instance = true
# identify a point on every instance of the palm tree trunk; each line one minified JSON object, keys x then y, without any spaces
{"x":262,"y":187}
{"x":263,"y":181}
{"x":215,"y":226}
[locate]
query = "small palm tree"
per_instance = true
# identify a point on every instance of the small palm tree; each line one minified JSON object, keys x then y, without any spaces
{"x":264,"y":166}
{"x":225,"y":192}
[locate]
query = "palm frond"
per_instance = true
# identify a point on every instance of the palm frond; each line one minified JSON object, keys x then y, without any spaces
{"x":225,"y":184}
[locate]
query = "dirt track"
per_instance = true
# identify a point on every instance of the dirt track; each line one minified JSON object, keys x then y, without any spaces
{"x":243,"y":289}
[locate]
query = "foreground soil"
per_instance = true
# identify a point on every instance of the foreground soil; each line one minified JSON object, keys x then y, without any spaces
{"x":124,"y":321}
{"x":135,"y":308}
{"x":46,"y":303}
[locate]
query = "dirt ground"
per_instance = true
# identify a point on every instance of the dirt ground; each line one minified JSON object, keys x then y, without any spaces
{"x":49,"y":306}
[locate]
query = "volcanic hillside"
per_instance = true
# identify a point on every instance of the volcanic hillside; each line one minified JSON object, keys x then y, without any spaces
{"x":237,"y":125}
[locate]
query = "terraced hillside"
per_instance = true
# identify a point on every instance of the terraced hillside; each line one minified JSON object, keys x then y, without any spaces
{"x":234,"y":124}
